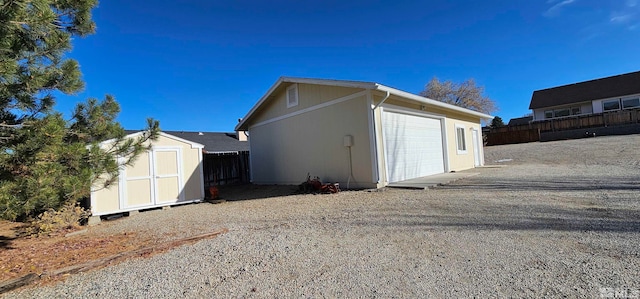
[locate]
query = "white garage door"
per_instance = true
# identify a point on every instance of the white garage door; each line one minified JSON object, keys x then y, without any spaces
{"x":413,"y":146}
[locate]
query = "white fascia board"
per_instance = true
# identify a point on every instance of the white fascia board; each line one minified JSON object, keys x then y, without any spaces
{"x":281,"y":80}
{"x":431,"y":102}
{"x":259,"y":103}
{"x":136,"y":134}
{"x":330,"y":82}
{"x":193,"y":144}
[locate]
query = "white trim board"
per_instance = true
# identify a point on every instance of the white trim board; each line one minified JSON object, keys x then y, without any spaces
{"x":163,"y":134}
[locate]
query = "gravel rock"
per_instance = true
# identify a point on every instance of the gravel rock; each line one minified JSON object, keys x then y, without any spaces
{"x":562,"y":219}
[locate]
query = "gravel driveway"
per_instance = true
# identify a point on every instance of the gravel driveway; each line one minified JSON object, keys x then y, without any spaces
{"x":561,"y":219}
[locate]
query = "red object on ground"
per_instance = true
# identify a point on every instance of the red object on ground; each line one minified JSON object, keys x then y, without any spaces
{"x":213,"y":192}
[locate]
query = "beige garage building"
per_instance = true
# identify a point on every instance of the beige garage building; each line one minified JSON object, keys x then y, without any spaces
{"x":361,"y":134}
{"x":169,"y":173}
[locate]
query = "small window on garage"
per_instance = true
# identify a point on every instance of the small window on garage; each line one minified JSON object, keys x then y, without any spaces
{"x":611,"y":105}
{"x":461,"y":141}
{"x":630,"y":103}
{"x":292,"y":96}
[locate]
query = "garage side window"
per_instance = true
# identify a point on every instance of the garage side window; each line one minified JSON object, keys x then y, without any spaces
{"x":292,"y":96}
{"x":461,"y":141}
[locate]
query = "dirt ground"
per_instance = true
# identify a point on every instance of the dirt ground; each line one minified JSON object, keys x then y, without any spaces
{"x":23,"y":255}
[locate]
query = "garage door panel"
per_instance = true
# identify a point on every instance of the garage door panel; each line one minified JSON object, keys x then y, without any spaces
{"x":413,"y":146}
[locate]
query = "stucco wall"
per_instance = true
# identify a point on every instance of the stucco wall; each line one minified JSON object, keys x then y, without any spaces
{"x":284,"y":151}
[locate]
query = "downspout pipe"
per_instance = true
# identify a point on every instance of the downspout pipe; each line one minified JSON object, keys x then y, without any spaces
{"x":381,"y":102}
{"x":374,"y":109}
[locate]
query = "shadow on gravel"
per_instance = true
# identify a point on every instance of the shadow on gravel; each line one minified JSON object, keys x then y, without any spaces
{"x":516,"y":217}
{"x":612,"y":183}
{"x":541,"y":223}
{"x":249,"y":192}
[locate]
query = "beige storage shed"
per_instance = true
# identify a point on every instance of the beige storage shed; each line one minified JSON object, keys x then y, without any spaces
{"x":169,"y":173}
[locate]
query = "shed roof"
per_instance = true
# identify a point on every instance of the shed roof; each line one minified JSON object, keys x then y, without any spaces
{"x":614,"y":86}
{"x":355,"y":84}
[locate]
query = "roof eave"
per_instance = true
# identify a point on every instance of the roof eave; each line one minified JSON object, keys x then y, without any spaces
{"x":242,"y":125}
{"x":432,"y":102}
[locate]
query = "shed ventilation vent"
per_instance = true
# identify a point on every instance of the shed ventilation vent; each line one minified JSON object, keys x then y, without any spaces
{"x":292,"y":96}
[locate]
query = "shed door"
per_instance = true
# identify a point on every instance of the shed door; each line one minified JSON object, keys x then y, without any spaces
{"x":167,"y":175}
{"x":154,"y":179}
{"x":413,"y":146}
{"x":138,"y":183}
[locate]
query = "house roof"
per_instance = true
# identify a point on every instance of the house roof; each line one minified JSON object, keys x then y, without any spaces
{"x":355,"y":84}
{"x":609,"y":87}
{"x":213,"y":142}
{"x":520,"y":121}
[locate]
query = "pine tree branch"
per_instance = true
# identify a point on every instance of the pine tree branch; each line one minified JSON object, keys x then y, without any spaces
{"x":17,"y":126}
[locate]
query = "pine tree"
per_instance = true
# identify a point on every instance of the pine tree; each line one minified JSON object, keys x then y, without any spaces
{"x":45,"y":160}
{"x":497,"y":122}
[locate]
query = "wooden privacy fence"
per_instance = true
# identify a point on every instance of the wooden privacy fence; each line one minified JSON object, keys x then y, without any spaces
{"x":510,"y":137}
{"x":528,"y":132}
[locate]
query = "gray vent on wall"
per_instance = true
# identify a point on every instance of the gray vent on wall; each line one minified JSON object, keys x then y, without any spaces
{"x":292,"y":96}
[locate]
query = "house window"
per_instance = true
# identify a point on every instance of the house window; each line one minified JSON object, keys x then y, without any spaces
{"x":548,"y":114}
{"x":575,"y":110}
{"x":561,"y":112}
{"x":292,"y":96}
{"x":630,"y":103}
{"x":611,"y":105}
{"x":461,"y":140}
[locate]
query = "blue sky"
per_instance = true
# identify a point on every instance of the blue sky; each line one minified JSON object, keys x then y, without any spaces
{"x":201,"y":65}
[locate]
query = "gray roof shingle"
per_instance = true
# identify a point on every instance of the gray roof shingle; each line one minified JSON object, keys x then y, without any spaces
{"x":609,"y":87}
{"x":214,"y":142}
{"x":520,"y":121}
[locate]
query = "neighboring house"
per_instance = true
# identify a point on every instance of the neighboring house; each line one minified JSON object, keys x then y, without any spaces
{"x":589,"y":97}
{"x":359,"y":134}
{"x":525,"y":120}
{"x":226,"y":156}
{"x":169,"y":173}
